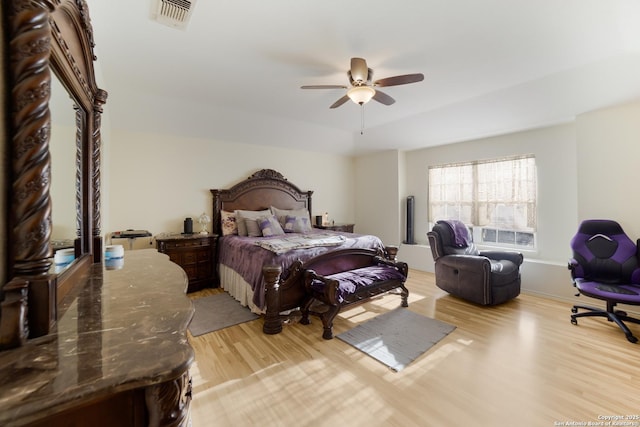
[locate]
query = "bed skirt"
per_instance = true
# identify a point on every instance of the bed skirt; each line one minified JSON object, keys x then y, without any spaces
{"x":237,"y":287}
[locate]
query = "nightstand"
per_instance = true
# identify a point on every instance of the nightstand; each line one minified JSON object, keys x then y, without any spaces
{"x":195,"y":253}
{"x":347,"y":228}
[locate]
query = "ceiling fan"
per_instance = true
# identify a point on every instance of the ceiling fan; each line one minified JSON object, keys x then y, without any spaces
{"x":362,"y":90}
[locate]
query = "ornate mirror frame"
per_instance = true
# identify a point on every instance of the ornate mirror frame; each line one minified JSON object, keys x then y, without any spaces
{"x":44,"y":36}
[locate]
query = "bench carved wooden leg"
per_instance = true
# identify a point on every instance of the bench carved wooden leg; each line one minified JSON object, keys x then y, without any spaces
{"x":306,"y":306}
{"x":404,"y":294}
{"x":327,"y":321}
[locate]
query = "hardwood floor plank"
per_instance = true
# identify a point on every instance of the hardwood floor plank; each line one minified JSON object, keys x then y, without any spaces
{"x":520,"y":363}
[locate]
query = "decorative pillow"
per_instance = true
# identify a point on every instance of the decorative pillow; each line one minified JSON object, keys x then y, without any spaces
{"x":281,"y":214}
{"x":253,"y":229}
{"x":229,"y":225}
{"x":297,"y":224}
{"x":270,"y":226}
{"x":242,"y":215}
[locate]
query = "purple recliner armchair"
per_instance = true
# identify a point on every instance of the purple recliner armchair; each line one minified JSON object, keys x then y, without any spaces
{"x":483,"y":277}
{"x":605,"y":266}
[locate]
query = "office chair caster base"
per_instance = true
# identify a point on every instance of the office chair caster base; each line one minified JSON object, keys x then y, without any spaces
{"x":574,"y":321}
{"x":632,"y":339}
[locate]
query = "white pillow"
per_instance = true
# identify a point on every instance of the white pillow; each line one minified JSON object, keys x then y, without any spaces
{"x":242,"y":215}
{"x":281,"y":214}
{"x":297,"y":224}
{"x":253,"y":229}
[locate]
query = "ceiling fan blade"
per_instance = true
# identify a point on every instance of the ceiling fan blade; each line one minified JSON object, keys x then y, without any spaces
{"x":339,"y":102}
{"x":359,"y":70}
{"x":399,"y":80}
{"x":383,"y":98}
{"x":323,"y":87}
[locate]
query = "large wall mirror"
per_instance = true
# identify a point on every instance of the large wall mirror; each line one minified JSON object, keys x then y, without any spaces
{"x":50,"y":54}
{"x":64,"y":178}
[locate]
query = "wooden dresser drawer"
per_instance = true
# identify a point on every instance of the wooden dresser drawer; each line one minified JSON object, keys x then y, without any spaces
{"x":187,"y":243}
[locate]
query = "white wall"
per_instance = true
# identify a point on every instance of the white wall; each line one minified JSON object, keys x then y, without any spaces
{"x":586,"y":169}
{"x":555,"y":151}
{"x":608,"y":153}
{"x":155,"y":181}
{"x":377,"y":196}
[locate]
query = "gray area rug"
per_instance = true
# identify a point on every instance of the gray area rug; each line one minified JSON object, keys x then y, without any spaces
{"x":396,"y":338}
{"x":216,"y":312}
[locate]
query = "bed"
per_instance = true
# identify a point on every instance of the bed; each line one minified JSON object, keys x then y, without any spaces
{"x":268,"y":282}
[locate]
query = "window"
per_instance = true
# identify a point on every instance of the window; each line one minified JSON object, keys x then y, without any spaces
{"x":496,"y":198}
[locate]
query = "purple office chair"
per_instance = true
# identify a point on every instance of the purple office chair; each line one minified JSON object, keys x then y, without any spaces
{"x":605,"y":266}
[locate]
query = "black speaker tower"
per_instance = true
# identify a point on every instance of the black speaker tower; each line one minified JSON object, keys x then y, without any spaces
{"x":410,"y":218}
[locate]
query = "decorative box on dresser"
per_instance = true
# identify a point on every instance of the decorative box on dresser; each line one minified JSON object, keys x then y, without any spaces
{"x":195,"y":253}
{"x":347,"y":228}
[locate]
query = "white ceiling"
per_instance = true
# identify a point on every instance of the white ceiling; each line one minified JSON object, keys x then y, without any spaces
{"x":490,"y":66}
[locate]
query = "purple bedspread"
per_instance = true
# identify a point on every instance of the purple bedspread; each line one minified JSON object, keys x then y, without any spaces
{"x":246,"y":258}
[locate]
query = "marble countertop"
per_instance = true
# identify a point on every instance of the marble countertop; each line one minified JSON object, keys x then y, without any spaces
{"x":119,"y":330}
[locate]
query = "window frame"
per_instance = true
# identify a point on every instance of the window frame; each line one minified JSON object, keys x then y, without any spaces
{"x":476,"y":203}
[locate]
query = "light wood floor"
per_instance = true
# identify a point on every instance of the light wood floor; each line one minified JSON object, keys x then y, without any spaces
{"x":519,"y":364}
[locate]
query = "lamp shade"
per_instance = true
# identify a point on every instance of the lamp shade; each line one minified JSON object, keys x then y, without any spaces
{"x":361,"y":94}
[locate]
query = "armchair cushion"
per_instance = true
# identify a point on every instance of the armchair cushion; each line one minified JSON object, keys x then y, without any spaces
{"x":503,"y":272}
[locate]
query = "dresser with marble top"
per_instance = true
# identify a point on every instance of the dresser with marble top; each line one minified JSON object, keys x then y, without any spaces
{"x":118,"y":355}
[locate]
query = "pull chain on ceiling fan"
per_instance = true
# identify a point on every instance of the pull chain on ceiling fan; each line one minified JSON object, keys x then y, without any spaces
{"x":362,"y":90}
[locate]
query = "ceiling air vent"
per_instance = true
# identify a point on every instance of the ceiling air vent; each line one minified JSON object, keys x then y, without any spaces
{"x":172,"y":13}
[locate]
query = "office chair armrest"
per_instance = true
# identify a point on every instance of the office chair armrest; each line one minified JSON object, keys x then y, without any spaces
{"x":514,"y":257}
{"x":573,"y":265}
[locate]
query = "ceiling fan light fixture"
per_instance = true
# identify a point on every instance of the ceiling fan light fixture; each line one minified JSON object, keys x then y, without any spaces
{"x":361,"y":94}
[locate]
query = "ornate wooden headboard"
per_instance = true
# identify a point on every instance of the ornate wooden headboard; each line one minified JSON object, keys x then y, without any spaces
{"x":261,"y":190}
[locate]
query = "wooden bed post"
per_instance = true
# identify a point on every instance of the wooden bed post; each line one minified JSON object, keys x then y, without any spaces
{"x":391,"y":252}
{"x":272,"y":322}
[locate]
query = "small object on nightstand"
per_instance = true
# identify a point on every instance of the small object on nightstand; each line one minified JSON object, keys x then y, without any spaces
{"x":188,"y":226}
{"x":203,"y":220}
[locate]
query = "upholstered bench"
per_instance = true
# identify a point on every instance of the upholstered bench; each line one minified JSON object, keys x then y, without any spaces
{"x":347,"y":277}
